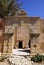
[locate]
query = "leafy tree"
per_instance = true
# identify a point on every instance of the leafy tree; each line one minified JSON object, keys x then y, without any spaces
{"x":9,"y":7}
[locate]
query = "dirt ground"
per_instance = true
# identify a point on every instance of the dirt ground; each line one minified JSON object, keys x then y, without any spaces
{"x":4,"y":63}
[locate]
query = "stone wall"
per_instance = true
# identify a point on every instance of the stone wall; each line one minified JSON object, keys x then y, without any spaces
{"x":2,"y":26}
{"x":22,"y":34}
{"x":8,"y":43}
{"x":24,"y":29}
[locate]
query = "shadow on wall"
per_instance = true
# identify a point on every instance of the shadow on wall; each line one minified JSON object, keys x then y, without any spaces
{"x":27,"y":51}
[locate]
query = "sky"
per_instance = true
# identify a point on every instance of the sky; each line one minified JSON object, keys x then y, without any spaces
{"x":34,"y":7}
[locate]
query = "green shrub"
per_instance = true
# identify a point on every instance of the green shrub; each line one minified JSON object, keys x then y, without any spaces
{"x":42,"y":57}
{"x":37,"y":58}
{"x":34,"y":59}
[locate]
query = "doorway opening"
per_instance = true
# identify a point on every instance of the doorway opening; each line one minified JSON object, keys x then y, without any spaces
{"x":20,"y":44}
{"x":29,"y":44}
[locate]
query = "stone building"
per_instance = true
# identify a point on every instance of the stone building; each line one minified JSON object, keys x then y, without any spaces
{"x":22,"y":31}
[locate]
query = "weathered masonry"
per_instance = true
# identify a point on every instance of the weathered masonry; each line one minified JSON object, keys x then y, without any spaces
{"x":22,"y":31}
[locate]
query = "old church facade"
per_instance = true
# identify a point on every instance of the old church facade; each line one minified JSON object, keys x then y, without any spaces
{"x":21,"y":31}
